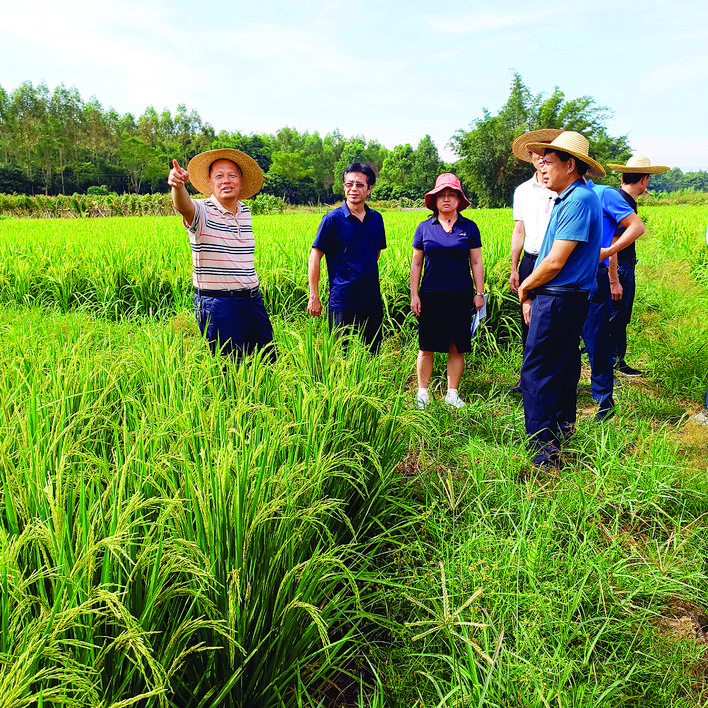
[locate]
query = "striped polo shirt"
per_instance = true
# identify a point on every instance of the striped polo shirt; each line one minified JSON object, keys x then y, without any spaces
{"x":222,"y":247}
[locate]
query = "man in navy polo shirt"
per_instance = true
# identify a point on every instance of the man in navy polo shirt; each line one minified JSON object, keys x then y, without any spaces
{"x":351,"y":238}
{"x":554,"y":298}
{"x":606,"y":288}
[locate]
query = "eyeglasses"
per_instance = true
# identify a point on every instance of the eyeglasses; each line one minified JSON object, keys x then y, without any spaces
{"x":358,"y":185}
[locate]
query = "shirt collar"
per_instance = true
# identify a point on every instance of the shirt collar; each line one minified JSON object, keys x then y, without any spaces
{"x":349,"y":212}
{"x":628,"y":198}
{"x":569,"y":190}
{"x":220,"y":207}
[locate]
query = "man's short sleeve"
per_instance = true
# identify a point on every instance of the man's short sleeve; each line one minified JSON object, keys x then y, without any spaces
{"x":193,"y":228}
{"x":615,"y":205}
{"x":573,"y":221}
{"x":382,"y":231}
{"x":517,"y":211}
{"x":325,"y":232}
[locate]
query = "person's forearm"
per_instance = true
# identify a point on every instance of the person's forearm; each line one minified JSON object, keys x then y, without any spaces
{"x":313,"y":276}
{"x":416,"y":270}
{"x":630,"y":235}
{"x":612,"y":269}
{"x":182,"y":202}
{"x":517,"y":245}
{"x":478,"y":275}
{"x":546,"y":271}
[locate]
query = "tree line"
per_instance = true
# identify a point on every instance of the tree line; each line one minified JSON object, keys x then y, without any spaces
{"x":54,"y":142}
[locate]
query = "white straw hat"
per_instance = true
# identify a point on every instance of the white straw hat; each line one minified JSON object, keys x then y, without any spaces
{"x":639,"y":164}
{"x":520,"y":146}
{"x":574,"y":144}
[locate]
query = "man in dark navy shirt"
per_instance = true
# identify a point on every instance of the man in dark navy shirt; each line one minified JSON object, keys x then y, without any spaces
{"x":351,"y":238}
{"x":635,"y":181}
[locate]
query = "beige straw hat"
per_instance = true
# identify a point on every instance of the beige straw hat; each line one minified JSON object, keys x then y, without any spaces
{"x":574,"y":144}
{"x":251,"y":173}
{"x":639,"y":164}
{"x":520,"y":146}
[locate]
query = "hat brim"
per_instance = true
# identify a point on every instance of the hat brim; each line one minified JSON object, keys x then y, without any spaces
{"x":430,"y":197}
{"x":595,"y":169}
{"x":520,"y":146}
{"x":251,"y":173}
{"x":651,"y":170}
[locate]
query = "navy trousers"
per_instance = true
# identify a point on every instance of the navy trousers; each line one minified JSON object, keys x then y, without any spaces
{"x":365,"y":322}
{"x":596,"y":335}
{"x":234,"y":326}
{"x":550,"y":372}
{"x":621,"y":313}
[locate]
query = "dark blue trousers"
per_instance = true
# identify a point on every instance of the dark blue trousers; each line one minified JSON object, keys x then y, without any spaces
{"x":596,"y":335}
{"x":621,"y":313}
{"x":234,"y":326}
{"x":550,"y":372}
{"x":366,"y":322}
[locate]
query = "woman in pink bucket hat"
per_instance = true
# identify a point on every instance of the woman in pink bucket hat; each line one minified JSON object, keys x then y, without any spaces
{"x":447,"y":250}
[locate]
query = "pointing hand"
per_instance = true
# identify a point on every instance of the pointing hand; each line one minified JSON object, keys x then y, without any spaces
{"x":178,"y":176}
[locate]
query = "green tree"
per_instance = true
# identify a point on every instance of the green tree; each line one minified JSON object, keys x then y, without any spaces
{"x":487,"y":164}
{"x":141,"y":161}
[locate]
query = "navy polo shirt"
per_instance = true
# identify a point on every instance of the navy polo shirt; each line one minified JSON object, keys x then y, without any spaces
{"x":614,"y":209}
{"x":447,"y":265}
{"x":351,"y":249}
{"x":576,"y":216}
{"x":629,"y":253}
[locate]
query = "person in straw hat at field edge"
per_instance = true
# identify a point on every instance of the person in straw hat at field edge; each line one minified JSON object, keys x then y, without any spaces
{"x":227,"y":302}
{"x":533,"y":202}
{"x":554,"y":297}
{"x":635,"y":181}
{"x":596,"y":330}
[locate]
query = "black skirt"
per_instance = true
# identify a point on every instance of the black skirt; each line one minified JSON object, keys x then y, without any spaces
{"x":445,"y":317}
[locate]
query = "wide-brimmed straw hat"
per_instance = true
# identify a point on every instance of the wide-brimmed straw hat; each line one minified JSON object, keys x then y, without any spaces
{"x":639,"y":164}
{"x":251,"y":173}
{"x":520,"y":146}
{"x":447,"y":179}
{"x":574,"y":144}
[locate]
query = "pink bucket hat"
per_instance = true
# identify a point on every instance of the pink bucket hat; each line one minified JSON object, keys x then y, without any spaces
{"x":447,"y":179}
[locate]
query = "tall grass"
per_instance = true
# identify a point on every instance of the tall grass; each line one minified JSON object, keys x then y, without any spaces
{"x":117,"y":268}
{"x":180,"y":531}
{"x":176,"y":530}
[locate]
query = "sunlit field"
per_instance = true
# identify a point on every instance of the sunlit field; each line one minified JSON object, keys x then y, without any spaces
{"x":178,"y":530}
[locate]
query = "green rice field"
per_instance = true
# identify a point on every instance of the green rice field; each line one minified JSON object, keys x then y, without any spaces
{"x":180,"y":531}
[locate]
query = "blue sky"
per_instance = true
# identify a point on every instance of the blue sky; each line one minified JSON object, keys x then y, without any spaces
{"x":391,"y":71}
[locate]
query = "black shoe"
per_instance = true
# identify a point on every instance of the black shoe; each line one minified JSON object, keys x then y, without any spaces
{"x":605,"y":411}
{"x":516,"y":388}
{"x":627,"y":370}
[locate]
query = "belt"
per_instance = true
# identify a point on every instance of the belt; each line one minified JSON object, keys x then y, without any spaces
{"x":532,"y":256}
{"x":562,"y":291}
{"x":228,"y":294}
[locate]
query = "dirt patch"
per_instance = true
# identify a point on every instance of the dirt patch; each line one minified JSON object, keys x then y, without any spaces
{"x":684,"y":620}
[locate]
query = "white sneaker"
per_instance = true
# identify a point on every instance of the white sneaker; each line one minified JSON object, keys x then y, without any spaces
{"x":421,"y":403}
{"x":452,"y":399}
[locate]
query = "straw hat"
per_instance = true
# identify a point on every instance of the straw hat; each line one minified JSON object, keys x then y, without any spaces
{"x":639,"y":164}
{"x":251,"y":173}
{"x":447,"y":179}
{"x":520,"y":146}
{"x":574,"y":144}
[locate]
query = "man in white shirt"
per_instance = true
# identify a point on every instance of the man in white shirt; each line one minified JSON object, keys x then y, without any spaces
{"x":533,"y":203}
